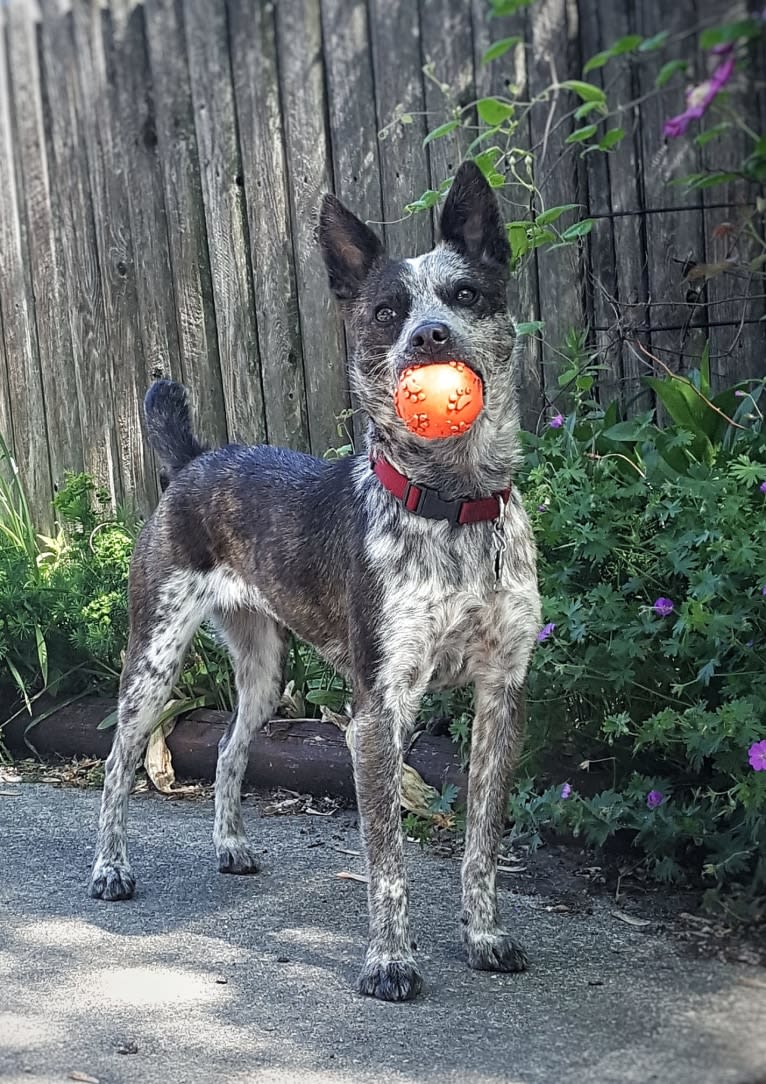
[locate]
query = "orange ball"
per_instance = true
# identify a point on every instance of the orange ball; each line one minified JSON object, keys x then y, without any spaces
{"x":440,"y":400}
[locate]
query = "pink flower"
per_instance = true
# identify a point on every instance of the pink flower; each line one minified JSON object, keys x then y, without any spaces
{"x":698,"y":100}
{"x":566,"y":790}
{"x":756,"y":755}
{"x":655,"y":798}
{"x":663,"y":607}
{"x":545,"y":632}
{"x":556,"y":421}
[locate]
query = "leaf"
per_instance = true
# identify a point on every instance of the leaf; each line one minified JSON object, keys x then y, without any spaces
{"x":531,"y":327}
{"x":493,"y":111}
{"x":710,"y":180}
{"x":579,"y":229}
{"x":611,"y":138}
{"x":729,"y":32}
{"x":345,"y":875}
{"x":442,"y":130}
{"x":648,"y":45}
{"x":158,"y":761}
{"x":109,"y":721}
{"x":581,"y":134}
{"x":42,"y":653}
{"x":667,"y":71}
{"x":712,"y":133}
{"x":518,"y":239}
{"x":587,"y":108}
{"x":629,"y":431}
{"x":587,"y":91}
{"x":20,"y":682}
{"x":554,"y":213}
{"x":597,"y":61}
{"x":499,"y":48}
{"x":508,"y":7}
{"x":631,"y":920}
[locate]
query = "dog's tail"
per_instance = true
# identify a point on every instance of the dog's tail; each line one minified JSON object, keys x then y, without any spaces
{"x":168,"y":423}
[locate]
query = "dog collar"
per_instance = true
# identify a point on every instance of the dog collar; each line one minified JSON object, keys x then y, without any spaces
{"x":427,"y":502}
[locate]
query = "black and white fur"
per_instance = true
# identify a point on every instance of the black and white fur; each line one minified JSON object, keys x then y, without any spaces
{"x":260,"y":541}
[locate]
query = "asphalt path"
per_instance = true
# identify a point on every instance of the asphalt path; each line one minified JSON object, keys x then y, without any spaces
{"x":203,"y":977}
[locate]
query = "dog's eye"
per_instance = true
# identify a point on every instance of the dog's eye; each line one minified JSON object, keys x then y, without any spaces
{"x":384,"y":314}
{"x":466,"y":295}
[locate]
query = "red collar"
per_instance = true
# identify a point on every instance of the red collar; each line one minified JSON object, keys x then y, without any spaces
{"x":424,"y":501}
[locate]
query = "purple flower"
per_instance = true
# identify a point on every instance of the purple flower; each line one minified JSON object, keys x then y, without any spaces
{"x":545,"y":632}
{"x":756,"y":755}
{"x":556,"y":421}
{"x":762,"y":487}
{"x":698,"y":99}
{"x":763,"y":589}
{"x":566,"y":790}
{"x":723,"y":49}
{"x":739,"y":394}
{"x":542,"y":508}
{"x":663,"y":607}
{"x":654,"y":798}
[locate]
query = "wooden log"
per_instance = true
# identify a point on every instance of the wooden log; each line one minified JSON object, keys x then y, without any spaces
{"x":187,"y":238}
{"x":220,"y":165}
{"x":304,"y":108}
{"x":255,"y":74}
{"x":301,"y":754}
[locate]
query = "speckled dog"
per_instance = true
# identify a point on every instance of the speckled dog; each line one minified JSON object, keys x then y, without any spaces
{"x":409,"y":567}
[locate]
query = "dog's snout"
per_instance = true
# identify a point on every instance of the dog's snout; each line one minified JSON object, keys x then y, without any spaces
{"x":430,"y":338}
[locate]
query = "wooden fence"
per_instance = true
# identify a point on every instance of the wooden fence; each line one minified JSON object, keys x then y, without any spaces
{"x":161,"y":164}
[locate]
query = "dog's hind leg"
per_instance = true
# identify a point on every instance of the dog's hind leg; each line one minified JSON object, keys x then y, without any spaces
{"x":257,"y":646}
{"x":160,"y":633}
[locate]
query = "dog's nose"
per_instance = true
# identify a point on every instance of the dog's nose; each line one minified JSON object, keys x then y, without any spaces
{"x":430,"y":338}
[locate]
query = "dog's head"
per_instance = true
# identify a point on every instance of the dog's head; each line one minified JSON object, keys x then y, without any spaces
{"x":449,"y":304}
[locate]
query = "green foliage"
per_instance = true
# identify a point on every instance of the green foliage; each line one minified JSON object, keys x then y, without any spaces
{"x":624,"y":514}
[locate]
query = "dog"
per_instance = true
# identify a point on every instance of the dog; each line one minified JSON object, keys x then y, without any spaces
{"x":411,"y":566}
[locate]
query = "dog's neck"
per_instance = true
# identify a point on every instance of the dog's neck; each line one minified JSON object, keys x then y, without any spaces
{"x":481,"y":462}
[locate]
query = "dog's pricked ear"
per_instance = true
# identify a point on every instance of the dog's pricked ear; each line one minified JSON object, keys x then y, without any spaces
{"x":349,"y":247}
{"x":471,"y":219}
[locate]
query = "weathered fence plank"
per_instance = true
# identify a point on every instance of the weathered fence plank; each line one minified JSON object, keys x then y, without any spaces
{"x":252,"y":35}
{"x":76,"y":246}
{"x":185,"y":217}
{"x":108,"y":184}
{"x":395,"y":32}
{"x":30,"y":440}
{"x":137,"y":137}
{"x":62,"y":415}
{"x":304,"y":102}
{"x":351,"y":104}
{"x":494,"y":79}
{"x":209,"y":68}
{"x":676,"y":237}
{"x":559,"y":175}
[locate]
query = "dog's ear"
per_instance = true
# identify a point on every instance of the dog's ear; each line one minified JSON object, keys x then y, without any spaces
{"x":471,"y":218}
{"x":349,"y":247}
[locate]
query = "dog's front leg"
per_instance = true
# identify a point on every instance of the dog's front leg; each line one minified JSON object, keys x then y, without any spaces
{"x":389,"y":970}
{"x":497,"y":740}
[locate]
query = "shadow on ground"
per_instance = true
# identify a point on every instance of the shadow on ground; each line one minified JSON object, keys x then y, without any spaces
{"x":229,"y":979}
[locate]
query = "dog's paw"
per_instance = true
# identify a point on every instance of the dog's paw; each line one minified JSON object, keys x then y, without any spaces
{"x":112,"y":881}
{"x":394,"y":980}
{"x":236,"y":856}
{"x":495,"y":952}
